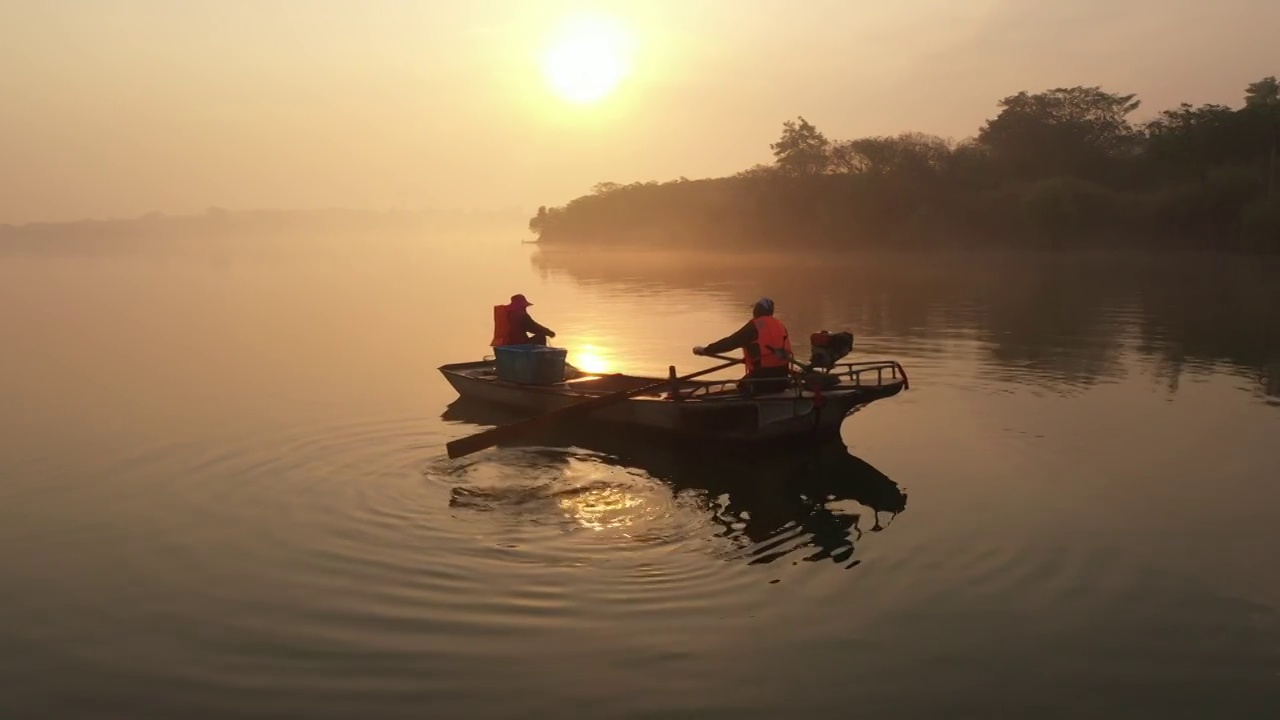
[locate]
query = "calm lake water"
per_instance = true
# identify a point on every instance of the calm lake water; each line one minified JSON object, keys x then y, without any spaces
{"x":223,"y":490}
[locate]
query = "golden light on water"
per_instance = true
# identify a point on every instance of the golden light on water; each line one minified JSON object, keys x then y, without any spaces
{"x":603,"y":508}
{"x":601,"y":495}
{"x":587,"y":58}
{"x":591,"y":359}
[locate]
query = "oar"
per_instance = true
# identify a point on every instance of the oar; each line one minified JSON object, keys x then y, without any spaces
{"x":488,"y":438}
{"x":790,"y":358}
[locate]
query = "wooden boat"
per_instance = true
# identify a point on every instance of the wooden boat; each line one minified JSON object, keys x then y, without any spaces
{"x":713,"y":410}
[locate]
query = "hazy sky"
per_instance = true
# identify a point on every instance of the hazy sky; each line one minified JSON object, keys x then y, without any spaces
{"x":114,"y":108}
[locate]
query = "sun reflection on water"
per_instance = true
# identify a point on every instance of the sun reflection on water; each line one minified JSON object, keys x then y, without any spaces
{"x":591,"y":359}
{"x":604,"y":508}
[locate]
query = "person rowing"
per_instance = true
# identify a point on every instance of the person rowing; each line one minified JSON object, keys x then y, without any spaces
{"x":766,"y":350}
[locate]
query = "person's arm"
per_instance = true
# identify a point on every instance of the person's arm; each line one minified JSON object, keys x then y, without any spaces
{"x":745,"y":335}
{"x":532,"y":326}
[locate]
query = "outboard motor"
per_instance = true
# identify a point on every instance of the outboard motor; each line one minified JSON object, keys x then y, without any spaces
{"x":828,"y":348}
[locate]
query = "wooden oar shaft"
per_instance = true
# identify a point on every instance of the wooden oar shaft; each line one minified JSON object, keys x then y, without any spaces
{"x":488,"y":438}
{"x":792,"y":360}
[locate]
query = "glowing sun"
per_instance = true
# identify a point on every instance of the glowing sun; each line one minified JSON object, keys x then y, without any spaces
{"x":588,"y":58}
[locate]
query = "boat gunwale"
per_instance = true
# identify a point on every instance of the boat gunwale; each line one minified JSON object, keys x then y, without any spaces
{"x":565,"y":389}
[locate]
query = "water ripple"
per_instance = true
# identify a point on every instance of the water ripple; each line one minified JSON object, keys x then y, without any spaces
{"x":356,"y":543}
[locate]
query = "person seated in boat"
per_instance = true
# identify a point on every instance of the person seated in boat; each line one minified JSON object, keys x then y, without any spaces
{"x":512,"y":325}
{"x":766,"y":350}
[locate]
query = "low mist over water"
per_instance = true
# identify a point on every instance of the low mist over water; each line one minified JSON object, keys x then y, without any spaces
{"x":223,"y":489}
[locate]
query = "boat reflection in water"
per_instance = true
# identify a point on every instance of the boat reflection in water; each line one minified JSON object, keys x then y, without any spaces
{"x":770,"y":505}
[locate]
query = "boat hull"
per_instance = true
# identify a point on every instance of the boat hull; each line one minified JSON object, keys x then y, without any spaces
{"x":788,"y":415}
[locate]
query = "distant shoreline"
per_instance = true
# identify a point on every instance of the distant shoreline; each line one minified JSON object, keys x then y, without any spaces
{"x":218,"y":224}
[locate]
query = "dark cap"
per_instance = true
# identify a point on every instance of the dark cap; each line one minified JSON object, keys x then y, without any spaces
{"x":521,"y":301}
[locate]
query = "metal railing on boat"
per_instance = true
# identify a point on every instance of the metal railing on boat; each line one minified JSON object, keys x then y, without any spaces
{"x":852,"y":372}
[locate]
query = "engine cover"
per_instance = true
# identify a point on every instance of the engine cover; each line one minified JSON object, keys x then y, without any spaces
{"x":828,"y":348}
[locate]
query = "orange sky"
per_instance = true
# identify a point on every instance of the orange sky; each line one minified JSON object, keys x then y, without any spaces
{"x":120,"y":108}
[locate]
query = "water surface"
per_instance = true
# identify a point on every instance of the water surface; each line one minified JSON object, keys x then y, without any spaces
{"x":223,"y":490}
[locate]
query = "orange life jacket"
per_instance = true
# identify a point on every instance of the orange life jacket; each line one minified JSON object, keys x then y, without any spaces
{"x":501,"y":325}
{"x":771,"y":337}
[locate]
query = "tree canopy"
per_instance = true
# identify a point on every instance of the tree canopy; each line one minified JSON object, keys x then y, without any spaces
{"x":1065,"y":165}
{"x":801,"y":150}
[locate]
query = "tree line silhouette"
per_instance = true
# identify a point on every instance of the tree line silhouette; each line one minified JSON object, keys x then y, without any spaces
{"x":1061,"y":168}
